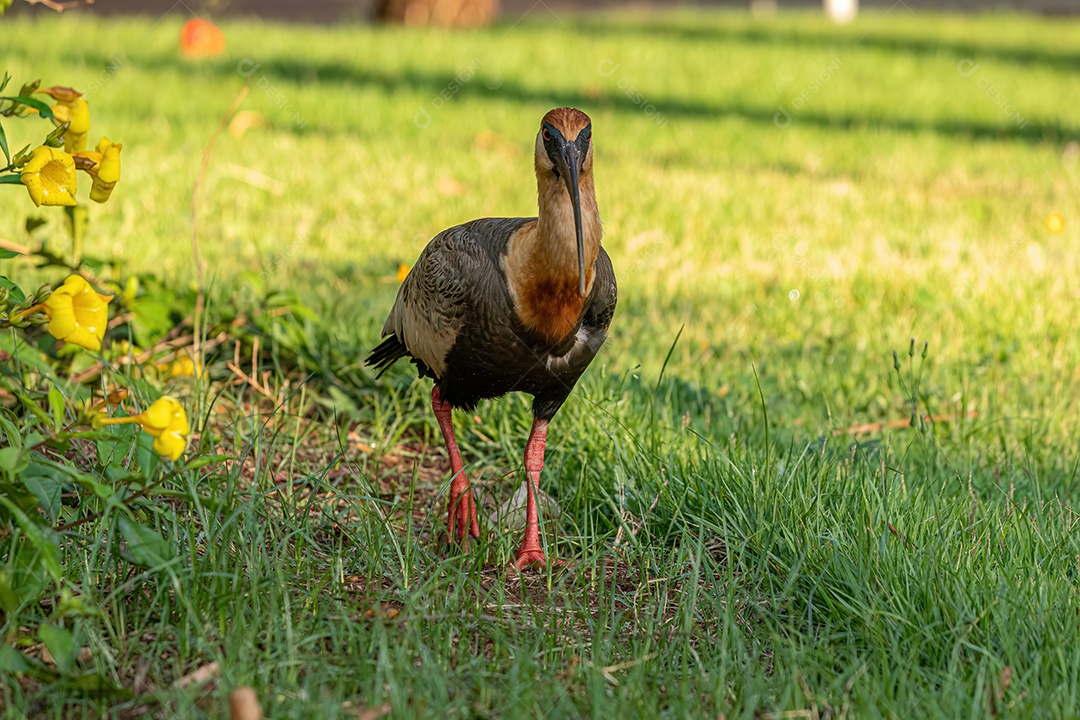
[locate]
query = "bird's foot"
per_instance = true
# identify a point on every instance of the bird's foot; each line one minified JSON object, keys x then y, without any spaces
{"x":462,"y":521}
{"x":534,"y":558}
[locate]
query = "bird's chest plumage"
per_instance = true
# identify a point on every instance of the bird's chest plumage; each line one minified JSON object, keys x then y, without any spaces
{"x":493,"y":358}
{"x":551,"y":308}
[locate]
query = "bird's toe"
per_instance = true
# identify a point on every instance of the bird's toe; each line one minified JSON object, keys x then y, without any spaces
{"x":535,"y":558}
{"x":462,"y":522}
{"x":530,"y":558}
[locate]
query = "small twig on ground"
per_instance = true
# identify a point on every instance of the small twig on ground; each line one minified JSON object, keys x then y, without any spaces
{"x":263,"y":388}
{"x":14,"y":247}
{"x":173,"y":345}
{"x":608,"y":671}
{"x":199,"y":675}
{"x":906,"y":422}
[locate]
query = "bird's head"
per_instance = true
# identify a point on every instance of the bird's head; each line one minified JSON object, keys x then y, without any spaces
{"x":564,"y":151}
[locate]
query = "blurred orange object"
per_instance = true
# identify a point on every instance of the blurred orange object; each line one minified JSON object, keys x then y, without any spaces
{"x":201,"y":38}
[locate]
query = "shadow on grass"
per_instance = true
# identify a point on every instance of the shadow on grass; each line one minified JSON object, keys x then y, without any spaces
{"x":927,"y":45}
{"x":435,"y":83}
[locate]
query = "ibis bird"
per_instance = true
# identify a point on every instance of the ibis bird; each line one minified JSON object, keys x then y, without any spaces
{"x":503,"y":305}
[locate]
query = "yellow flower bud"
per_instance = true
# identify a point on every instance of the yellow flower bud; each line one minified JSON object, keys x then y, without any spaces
{"x":77,"y":113}
{"x":104,"y":168}
{"x":61,"y":93}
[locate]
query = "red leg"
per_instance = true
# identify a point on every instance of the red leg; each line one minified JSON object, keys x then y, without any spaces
{"x":530,"y":552}
{"x":462,"y":514}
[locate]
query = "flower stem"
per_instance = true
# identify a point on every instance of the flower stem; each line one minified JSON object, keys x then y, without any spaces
{"x":118,"y":420}
{"x":28,"y":311}
{"x":77,"y":218}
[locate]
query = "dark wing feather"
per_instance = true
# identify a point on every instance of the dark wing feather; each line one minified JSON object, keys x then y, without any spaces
{"x":604,"y":296}
{"x":434,"y":302}
{"x":386,"y":354}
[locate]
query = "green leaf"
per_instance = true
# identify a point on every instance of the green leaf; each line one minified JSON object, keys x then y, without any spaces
{"x":146,"y":546}
{"x":6,"y":254}
{"x":87,"y":435}
{"x":12,"y":461}
{"x":82,"y":479}
{"x":3,"y":139}
{"x":144,"y":453}
{"x":28,"y":89}
{"x":44,"y":483}
{"x":93,"y":682}
{"x":27,"y":354}
{"x":19,"y":495}
{"x":56,"y":404}
{"x":23,"y":578}
{"x":33,"y":407}
{"x":60,"y":644}
{"x":60,"y":473}
{"x":11,"y":431}
{"x":15,"y":292}
{"x":34,"y":439}
{"x":120,"y":475}
{"x":115,"y":448}
{"x":153,"y":317}
{"x":44,"y":110}
{"x":11,"y":660}
{"x":11,"y":179}
{"x":72,"y":605}
{"x":206,"y":460}
{"x":43,"y":538}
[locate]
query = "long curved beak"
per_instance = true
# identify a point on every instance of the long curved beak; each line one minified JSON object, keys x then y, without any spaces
{"x":571,"y":155}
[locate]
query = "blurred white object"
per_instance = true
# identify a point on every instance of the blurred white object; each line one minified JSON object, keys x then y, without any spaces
{"x":842,"y":11}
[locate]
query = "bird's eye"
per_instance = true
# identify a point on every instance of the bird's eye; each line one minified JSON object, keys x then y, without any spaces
{"x":547,"y":135}
{"x":588,"y":135}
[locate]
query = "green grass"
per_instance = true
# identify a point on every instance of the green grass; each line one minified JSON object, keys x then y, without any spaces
{"x":768,"y":562}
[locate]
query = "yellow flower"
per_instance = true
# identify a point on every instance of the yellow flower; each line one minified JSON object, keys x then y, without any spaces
{"x":165,"y":420}
{"x":103,"y":166}
{"x":402,"y":272}
{"x":76,"y":112}
{"x":49,"y":176}
{"x":77,"y":313}
{"x":182,"y":366}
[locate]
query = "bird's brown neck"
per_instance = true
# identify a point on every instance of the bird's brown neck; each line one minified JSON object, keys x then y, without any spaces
{"x":542,"y":259}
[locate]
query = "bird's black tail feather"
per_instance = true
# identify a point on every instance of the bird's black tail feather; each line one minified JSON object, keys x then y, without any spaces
{"x":386,"y":354}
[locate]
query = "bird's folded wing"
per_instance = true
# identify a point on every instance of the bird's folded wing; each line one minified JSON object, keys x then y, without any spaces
{"x":604,"y":296}
{"x":434,"y":301}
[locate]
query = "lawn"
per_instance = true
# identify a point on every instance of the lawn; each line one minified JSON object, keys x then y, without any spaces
{"x":756,"y":530}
